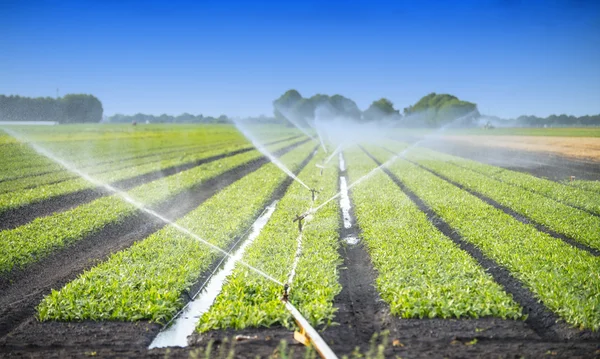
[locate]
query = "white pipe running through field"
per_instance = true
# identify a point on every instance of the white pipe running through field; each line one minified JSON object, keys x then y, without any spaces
{"x":184,"y":324}
{"x":345,"y":203}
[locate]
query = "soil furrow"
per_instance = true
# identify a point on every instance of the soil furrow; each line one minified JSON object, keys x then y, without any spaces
{"x":19,"y":216}
{"x":17,"y":298}
{"x":539,"y":318}
{"x":360,"y":310}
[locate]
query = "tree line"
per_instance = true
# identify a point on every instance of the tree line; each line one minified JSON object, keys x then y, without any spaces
{"x":432,"y":110}
{"x":71,"y":108}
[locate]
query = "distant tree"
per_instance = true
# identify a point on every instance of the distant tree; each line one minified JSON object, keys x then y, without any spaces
{"x":438,"y":109}
{"x":295,"y":108}
{"x":73,"y":108}
{"x":380,"y":110}
{"x":81,"y":108}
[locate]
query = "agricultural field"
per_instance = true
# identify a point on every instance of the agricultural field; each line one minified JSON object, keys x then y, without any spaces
{"x":113,"y":237}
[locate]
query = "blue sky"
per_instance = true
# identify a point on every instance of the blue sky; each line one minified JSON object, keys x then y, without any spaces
{"x":511,"y":57}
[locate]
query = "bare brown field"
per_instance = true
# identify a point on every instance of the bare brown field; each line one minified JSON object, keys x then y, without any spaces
{"x":586,"y":148}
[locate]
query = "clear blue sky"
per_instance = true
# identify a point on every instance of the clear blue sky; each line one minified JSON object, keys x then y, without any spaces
{"x":213,"y":57}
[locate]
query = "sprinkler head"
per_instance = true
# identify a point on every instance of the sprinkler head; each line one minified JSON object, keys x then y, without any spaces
{"x":286,"y":289}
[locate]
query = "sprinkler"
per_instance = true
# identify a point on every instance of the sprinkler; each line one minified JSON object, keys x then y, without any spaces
{"x":313,"y":191}
{"x":286,"y":289}
{"x":299,"y":219}
{"x":321,"y":167}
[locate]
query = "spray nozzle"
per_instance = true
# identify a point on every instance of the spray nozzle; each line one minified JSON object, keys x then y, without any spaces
{"x":314,"y":192}
{"x":299,"y":219}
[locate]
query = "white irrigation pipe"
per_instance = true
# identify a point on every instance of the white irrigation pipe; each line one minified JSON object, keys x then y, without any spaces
{"x":308,"y":334}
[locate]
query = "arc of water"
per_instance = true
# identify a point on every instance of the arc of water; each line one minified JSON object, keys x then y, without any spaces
{"x":259,"y":146}
{"x":123,"y":195}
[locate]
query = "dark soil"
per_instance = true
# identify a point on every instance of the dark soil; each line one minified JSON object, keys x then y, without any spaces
{"x":19,"y":216}
{"x":540,"y":164}
{"x":360,"y":310}
{"x":361,"y":314}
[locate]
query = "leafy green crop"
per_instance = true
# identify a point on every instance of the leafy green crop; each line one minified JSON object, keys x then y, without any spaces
{"x":147,"y":280}
{"x":21,"y":198}
{"x":563,"y":277}
{"x":29,"y":243}
{"x":591,"y":186}
{"x":577,"y":224}
{"x":421,"y":273}
{"x":589,"y":201}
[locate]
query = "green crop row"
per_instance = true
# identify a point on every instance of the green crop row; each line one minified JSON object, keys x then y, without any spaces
{"x":28,"y":243}
{"x":587,"y":200}
{"x":86,"y":147}
{"x":25,"y":197}
{"x":577,"y":224}
{"x":147,"y":280}
{"x":249,"y":300}
{"x":590,"y":186}
{"x":421,"y":273}
{"x":134,"y":165}
{"x":564,"y":278}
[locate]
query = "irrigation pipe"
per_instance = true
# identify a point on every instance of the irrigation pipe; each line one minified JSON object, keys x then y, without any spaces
{"x":308,"y":335}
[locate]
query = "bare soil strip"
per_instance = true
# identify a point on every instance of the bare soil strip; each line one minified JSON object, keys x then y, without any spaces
{"x":517,"y":216}
{"x":541,"y":164}
{"x":540,"y":318}
{"x":22,"y":290}
{"x":20,"y":216}
{"x":586,"y":148}
{"x":361,"y":312}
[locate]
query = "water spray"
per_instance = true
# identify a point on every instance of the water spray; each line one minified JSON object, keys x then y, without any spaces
{"x":287,"y":116}
{"x":320,"y":167}
{"x":266,"y":152}
{"x":123,"y":195}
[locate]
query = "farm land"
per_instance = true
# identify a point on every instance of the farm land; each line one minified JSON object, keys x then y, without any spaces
{"x":457,"y":244}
